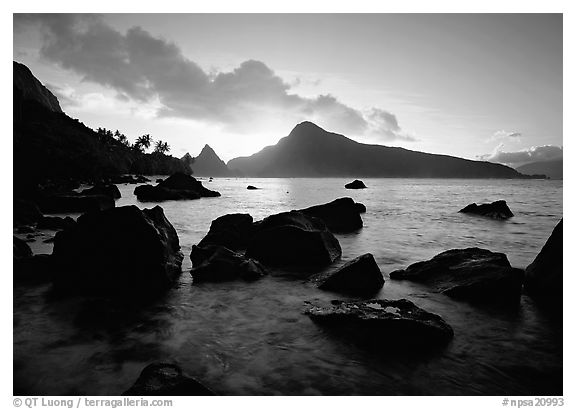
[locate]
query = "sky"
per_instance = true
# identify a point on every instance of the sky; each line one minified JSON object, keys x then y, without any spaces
{"x":478,"y":86}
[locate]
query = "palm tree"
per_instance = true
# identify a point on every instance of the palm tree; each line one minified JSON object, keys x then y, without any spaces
{"x":143,"y":142}
{"x":161,"y":147}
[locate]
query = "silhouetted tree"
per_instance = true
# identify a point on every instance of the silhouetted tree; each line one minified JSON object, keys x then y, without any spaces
{"x":161,"y":147}
{"x":143,"y":142}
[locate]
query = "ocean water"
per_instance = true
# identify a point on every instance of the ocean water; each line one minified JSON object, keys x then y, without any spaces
{"x":253,"y":339}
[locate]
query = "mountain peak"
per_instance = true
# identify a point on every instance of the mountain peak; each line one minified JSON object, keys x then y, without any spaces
{"x":207,"y":149}
{"x":208,"y":163}
{"x":30,"y":88}
{"x":307,"y":127}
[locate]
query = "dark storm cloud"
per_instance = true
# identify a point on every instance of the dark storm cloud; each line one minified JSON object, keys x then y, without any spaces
{"x":142,"y":67}
{"x":533,"y":154}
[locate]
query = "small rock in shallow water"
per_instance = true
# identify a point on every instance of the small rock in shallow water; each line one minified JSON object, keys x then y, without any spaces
{"x":357,"y":184}
{"x":165,"y":379}
{"x":397,"y":322}
{"x":494,"y":210}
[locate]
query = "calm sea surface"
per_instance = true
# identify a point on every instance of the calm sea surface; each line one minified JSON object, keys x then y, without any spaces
{"x":252,"y":338}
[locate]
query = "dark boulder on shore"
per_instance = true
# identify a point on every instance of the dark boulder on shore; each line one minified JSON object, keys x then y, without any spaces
{"x":293,"y":240}
{"x":123,"y":250}
{"x":218,"y":263}
{"x":360,"y":207}
{"x":495,"y":210}
{"x":357,"y":184}
{"x":106,"y":190}
{"x":21,"y":249}
{"x":25,"y":212}
{"x":360,"y":276}
{"x":231,"y":230}
{"x":472,"y":274}
{"x":340,"y":216}
{"x":165,"y":379}
{"x":179,"y":186}
{"x":544,"y":275}
{"x":75,"y":203}
{"x":30,"y":267}
{"x":55,"y":223}
{"x":397,"y":322}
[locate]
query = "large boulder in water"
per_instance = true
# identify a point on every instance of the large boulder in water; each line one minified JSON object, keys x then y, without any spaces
{"x":122,"y":250}
{"x":149,"y":193}
{"x":357,"y":184}
{"x":20,"y":249}
{"x":397,"y":322}
{"x":231,"y":230}
{"x":293,"y":240}
{"x":218,"y":263}
{"x":106,"y":190}
{"x":544,"y":276}
{"x":55,"y":223}
{"x":25,"y":212}
{"x":165,"y":379}
{"x":495,"y":210}
{"x":179,"y":186}
{"x":340,"y":216}
{"x":361,"y":276}
{"x":75,"y":203}
{"x":472,"y":273}
{"x":28,"y":266}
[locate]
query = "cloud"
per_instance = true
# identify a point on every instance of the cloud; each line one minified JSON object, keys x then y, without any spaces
{"x":385,"y":125}
{"x":533,"y":154}
{"x":498,"y":135}
{"x":141,"y":67}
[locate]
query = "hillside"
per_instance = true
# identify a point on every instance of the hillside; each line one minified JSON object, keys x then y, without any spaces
{"x":552,"y":168}
{"x":209,"y":164}
{"x":49,"y":145}
{"x":310,"y":151}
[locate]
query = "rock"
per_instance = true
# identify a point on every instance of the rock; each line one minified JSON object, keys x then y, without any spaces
{"x":250,"y":187}
{"x":544,"y":275}
{"x":25,"y":229}
{"x":398,"y":322}
{"x":165,"y":379}
{"x":217,"y":263}
{"x":55,"y":223}
{"x":39,"y":267}
{"x":21,"y":249}
{"x":293,"y":240}
{"x":106,"y":190}
{"x":472,"y":273}
{"x":361,"y":208}
{"x":119,"y":250}
{"x":340,"y":215}
{"x":495,"y":210}
{"x":149,"y":193}
{"x":177,"y":187}
{"x":74,"y":203}
{"x":357,"y":184}
{"x":128,"y":179}
{"x":25,"y":212}
{"x":232,"y":231}
{"x":360,"y":276}
{"x":28,"y":266}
